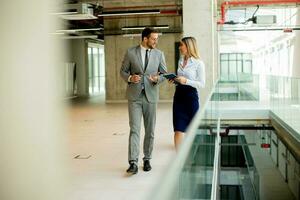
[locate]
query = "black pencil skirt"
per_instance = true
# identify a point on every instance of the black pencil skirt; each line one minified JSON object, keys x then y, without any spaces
{"x":185,"y":106}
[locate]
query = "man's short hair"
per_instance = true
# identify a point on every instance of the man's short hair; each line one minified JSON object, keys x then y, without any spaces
{"x":147,"y":32}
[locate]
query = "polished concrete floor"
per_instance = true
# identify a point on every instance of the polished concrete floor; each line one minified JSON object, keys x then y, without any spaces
{"x":98,"y":138}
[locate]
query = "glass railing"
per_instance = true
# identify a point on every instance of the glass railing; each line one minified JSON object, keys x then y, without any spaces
{"x":281,"y":95}
{"x":239,"y":176}
{"x":191,"y":174}
{"x":245,"y":88}
{"x":284,"y":94}
{"x":214,"y":165}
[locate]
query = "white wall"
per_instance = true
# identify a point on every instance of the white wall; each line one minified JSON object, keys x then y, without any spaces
{"x":296,"y":60}
{"x":31,"y":110}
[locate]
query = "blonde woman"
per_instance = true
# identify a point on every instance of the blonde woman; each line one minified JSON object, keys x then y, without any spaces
{"x":190,"y":78}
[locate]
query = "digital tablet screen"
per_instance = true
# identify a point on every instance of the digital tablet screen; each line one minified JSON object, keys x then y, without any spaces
{"x":170,"y":76}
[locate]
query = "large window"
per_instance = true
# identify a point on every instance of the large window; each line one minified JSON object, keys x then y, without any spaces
{"x":274,"y":60}
{"x":232,"y":64}
{"x":96,"y":69}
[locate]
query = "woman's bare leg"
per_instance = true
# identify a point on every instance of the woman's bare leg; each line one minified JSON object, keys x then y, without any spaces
{"x":178,"y":137}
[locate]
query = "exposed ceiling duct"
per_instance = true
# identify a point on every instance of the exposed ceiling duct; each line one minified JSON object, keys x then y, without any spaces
{"x":129,"y":12}
{"x":131,"y":19}
{"x":80,"y":20}
{"x":88,"y":17}
{"x":83,"y":11}
{"x":226,"y":4}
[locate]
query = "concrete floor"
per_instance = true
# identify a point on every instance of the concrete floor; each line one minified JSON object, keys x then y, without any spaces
{"x":101,"y":131}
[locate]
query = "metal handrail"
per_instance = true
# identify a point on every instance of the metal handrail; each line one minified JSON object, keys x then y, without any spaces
{"x":216,"y":170}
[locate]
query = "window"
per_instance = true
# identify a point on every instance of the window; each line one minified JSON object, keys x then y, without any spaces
{"x":96,"y":69}
{"x":232,"y":64}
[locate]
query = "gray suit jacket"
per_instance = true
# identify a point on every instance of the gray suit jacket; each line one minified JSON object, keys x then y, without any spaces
{"x":133,"y":64}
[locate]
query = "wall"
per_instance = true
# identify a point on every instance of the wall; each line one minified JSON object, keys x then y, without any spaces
{"x":199,"y":21}
{"x":115,"y":48}
{"x":296,"y":62}
{"x":32,"y":149}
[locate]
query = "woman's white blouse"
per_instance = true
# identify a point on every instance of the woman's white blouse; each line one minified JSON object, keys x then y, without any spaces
{"x":194,"y":72}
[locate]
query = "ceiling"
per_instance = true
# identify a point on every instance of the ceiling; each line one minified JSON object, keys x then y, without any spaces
{"x":169,"y":13}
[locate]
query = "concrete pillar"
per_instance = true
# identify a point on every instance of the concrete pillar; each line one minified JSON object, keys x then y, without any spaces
{"x":296,"y":57}
{"x":199,"y":21}
{"x":79,"y":56}
{"x":30,"y":108}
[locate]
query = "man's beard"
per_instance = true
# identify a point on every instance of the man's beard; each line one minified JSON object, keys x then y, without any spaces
{"x":151,"y":46}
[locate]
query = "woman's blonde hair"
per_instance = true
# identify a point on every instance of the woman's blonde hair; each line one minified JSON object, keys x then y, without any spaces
{"x":191,"y":45}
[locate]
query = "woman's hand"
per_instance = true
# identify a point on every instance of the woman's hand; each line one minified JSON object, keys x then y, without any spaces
{"x":171,"y":81}
{"x":181,"y":80}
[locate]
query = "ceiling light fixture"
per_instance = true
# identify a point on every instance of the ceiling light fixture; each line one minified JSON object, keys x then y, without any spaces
{"x":130,"y":12}
{"x":78,"y":30}
{"x":64,"y":13}
{"x":56,"y":33}
{"x":142,"y":27}
{"x":78,"y":17}
{"x":80,"y":37}
{"x":135,"y":35}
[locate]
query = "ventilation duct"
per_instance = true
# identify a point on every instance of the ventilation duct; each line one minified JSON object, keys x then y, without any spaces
{"x":83,"y":11}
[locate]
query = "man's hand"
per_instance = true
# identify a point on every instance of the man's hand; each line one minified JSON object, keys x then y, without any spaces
{"x":154,"y":78}
{"x":135,"y":78}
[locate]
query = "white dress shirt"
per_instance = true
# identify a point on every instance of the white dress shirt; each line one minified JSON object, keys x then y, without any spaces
{"x":194,"y":72}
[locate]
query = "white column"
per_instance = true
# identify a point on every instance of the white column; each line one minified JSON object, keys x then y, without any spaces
{"x":296,"y":58}
{"x":31,"y":136}
{"x":199,"y":21}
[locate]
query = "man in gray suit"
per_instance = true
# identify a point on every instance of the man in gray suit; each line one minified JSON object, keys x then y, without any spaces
{"x":142,"y":69}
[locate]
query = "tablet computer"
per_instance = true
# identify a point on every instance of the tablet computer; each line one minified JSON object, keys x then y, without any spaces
{"x":170,"y":75}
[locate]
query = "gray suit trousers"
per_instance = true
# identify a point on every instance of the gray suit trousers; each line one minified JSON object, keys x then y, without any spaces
{"x":137,"y":109}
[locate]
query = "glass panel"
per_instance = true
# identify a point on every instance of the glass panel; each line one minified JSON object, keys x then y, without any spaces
{"x":102,"y":71}
{"x":90,"y":65}
{"x":239,"y":66}
{"x":239,"y":56}
{"x":192,"y":174}
{"x":196,"y":176}
{"x":232,"y":71}
{"x":96,"y":69}
{"x":224,"y":56}
{"x":232,"y":56}
{"x":247,"y":67}
{"x":224,"y":71}
{"x":247,"y":56}
{"x":285,"y":102}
